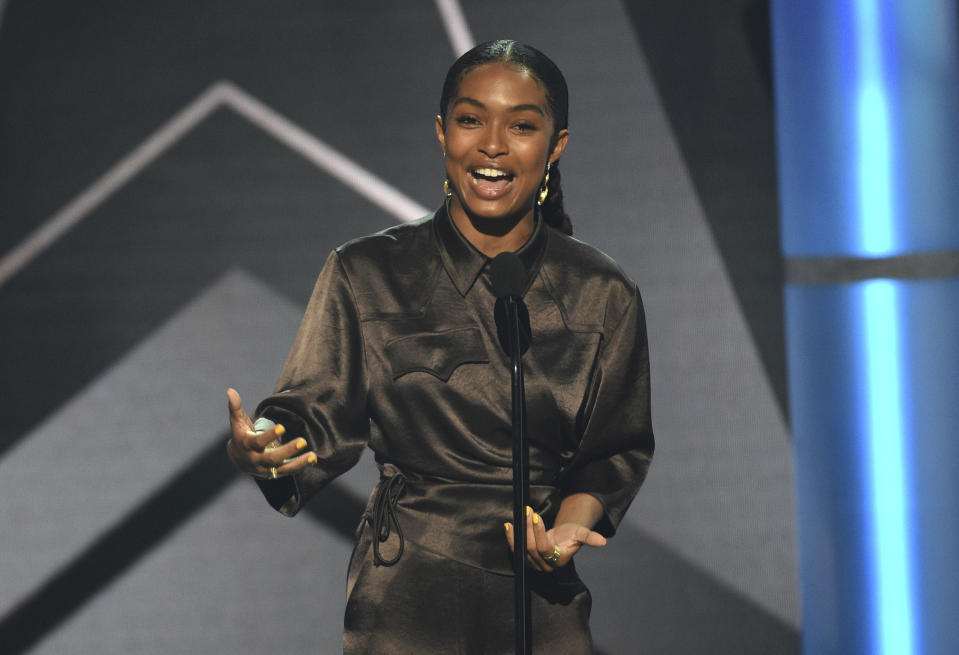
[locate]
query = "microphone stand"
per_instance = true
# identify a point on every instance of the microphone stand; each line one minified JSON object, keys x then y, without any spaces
{"x":509,"y":278}
{"x":523,"y":624}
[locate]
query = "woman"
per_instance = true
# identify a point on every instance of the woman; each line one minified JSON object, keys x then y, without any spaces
{"x":398,"y":352}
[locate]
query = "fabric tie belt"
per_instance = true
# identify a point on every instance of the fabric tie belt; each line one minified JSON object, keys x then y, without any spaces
{"x":382,"y":513}
{"x":462,"y":520}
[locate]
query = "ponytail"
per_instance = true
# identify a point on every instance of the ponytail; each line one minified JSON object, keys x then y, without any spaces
{"x":552,"y":209}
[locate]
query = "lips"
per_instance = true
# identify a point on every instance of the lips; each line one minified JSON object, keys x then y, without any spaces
{"x":490,"y":183}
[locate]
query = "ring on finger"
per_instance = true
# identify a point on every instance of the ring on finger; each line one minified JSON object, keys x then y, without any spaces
{"x":552,"y":559}
{"x":273,"y":473}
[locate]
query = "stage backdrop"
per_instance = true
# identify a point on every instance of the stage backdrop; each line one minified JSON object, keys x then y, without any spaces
{"x":173,"y":175}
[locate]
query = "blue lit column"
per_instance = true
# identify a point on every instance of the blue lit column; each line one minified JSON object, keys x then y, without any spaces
{"x":867,"y":104}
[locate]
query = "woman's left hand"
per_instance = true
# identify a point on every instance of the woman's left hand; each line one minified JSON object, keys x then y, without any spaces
{"x":548,"y":550}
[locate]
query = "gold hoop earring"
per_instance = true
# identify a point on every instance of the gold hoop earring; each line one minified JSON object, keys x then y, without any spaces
{"x":446,"y":189}
{"x":544,"y":189}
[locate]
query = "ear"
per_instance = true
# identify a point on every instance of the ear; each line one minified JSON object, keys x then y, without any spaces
{"x":440,"y":134}
{"x":559,"y":145}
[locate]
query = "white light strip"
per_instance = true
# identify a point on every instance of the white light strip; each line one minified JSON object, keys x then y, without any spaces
{"x":887,"y":437}
{"x":887,"y":462}
{"x":874,"y":136}
{"x":222,"y":93}
{"x":335,"y":164}
{"x":457,"y":29}
{"x":94,"y":195}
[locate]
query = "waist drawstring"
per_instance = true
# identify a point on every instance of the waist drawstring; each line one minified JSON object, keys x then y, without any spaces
{"x":385,"y":497}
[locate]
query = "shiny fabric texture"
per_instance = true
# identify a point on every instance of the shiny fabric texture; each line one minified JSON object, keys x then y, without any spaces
{"x":431,"y":604}
{"x":398,"y":352}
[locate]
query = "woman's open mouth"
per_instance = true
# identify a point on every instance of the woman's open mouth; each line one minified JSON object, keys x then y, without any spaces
{"x":491,"y":183}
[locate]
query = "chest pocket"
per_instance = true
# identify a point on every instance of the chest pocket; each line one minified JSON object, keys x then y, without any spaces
{"x":436,"y":353}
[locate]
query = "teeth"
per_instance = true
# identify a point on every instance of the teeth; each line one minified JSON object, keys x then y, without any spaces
{"x":490,"y":172}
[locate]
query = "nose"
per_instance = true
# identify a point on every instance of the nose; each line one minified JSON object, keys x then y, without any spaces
{"x":493,"y":142}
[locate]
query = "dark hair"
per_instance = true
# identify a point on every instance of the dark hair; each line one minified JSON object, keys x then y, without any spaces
{"x":549,"y":76}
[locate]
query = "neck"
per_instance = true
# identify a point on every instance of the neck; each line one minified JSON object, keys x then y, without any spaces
{"x":492,"y":236}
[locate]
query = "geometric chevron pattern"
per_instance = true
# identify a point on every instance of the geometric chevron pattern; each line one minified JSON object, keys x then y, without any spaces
{"x":125,"y":529}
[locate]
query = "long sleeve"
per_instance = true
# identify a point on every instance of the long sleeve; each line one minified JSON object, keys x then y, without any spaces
{"x":321,"y":394}
{"x":617,"y":444}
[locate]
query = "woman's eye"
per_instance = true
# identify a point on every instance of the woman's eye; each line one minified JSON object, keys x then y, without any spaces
{"x":467,"y":120}
{"x":525,"y":127}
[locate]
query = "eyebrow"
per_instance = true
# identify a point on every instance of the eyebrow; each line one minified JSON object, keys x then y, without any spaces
{"x":477,"y":103}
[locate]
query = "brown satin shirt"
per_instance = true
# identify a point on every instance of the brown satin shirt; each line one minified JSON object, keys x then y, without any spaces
{"x":398,"y":352}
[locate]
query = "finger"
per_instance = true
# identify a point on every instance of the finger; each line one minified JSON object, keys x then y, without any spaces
{"x":595,"y":539}
{"x":509,"y":535}
{"x":268,"y":439}
{"x":239,"y":420}
{"x":279,"y":455}
{"x":543,"y":545}
{"x":251,"y":441}
{"x":297,"y":463}
{"x":584,"y":535}
{"x":533,"y":521}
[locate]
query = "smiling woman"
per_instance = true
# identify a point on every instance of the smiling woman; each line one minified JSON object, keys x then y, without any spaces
{"x":398,"y":352}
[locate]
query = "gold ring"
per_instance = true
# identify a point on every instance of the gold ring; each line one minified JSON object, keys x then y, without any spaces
{"x":273,"y":472}
{"x":552,"y":559}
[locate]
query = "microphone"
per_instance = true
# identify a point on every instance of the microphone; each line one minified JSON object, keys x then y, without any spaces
{"x":508,"y":275}
{"x":509,"y":278}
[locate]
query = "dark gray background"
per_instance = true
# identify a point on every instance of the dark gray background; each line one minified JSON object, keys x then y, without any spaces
{"x":184,"y":229}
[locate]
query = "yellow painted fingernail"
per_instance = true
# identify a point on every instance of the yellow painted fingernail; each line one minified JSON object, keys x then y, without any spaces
{"x":300,"y":443}
{"x":506,"y":525}
{"x":535,"y":518}
{"x":528,"y":510}
{"x":280,"y":430}
{"x":311,"y":459}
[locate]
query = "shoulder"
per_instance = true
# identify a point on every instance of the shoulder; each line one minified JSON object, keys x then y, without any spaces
{"x":386,"y":269}
{"x":592,"y":290}
{"x":584,"y":260}
{"x":393,"y":242}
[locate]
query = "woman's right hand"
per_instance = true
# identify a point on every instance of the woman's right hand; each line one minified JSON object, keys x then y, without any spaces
{"x":255,"y":452}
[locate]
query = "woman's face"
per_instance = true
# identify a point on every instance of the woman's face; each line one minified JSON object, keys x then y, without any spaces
{"x":497,"y":139}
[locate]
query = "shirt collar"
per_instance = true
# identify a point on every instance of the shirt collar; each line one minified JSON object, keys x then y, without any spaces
{"x":464,"y":263}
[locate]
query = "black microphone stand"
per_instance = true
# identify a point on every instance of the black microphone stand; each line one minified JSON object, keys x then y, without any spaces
{"x":509,"y":278}
{"x":524,"y":628}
